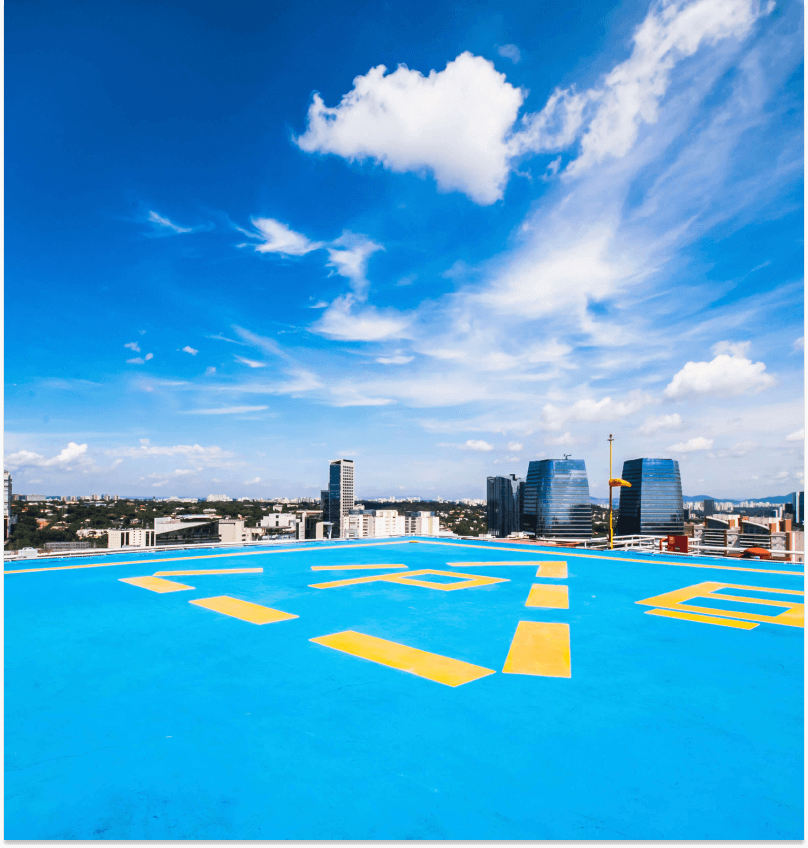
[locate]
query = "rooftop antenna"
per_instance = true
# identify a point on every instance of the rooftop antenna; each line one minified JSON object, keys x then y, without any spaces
{"x":567,"y":455}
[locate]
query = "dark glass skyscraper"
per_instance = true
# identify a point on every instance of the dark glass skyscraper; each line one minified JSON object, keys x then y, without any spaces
{"x":653,"y":504}
{"x":556,"y":501}
{"x":504,"y":497}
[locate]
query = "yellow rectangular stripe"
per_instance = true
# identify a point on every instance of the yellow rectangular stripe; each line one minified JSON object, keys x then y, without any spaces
{"x":156,"y":584}
{"x":254,"y":613}
{"x":552,"y":569}
{"x":435,"y":667}
{"x":706,"y":619}
{"x":209,"y":571}
{"x":522,"y":562}
{"x":540,"y":648}
{"x":548,"y":596}
{"x":351,"y":567}
{"x":348,"y":582}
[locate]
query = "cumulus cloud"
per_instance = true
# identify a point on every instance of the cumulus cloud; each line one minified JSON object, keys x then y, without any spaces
{"x":210,"y":370}
{"x":460,"y":123}
{"x":136,"y":361}
{"x":343,"y":322}
{"x":515,"y":446}
{"x":469,"y":444}
{"x":564,"y":440}
{"x":69,"y":457}
{"x":725,"y":375}
{"x":510,"y":51}
{"x":148,"y":356}
{"x":588,"y":409}
{"x":133,"y":346}
{"x":452,"y":123}
{"x":732,"y":348}
{"x":189,"y":349}
{"x":796,"y":436}
{"x":278,"y":238}
{"x":251,"y":482}
{"x":660,"y":422}
{"x":698,"y":443}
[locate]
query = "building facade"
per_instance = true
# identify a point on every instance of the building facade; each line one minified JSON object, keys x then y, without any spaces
{"x":556,"y":499}
{"x":7,"y":495}
{"x":653,"y":505}
{"x":421,"y":524}
{"x":340,"y":495}
{"x":504,"y":504}
{"x":796,"y":507}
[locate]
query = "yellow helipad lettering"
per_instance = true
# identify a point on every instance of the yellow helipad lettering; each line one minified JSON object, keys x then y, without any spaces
{"x":552,"y":569}
{"x":473,"y":564}
{"x":156,"y":584}
{"x":450,"y":672}
{"x":792,"y":616}
{"x":470,"y":581}
{"x":209,"y":571}
{"x":352,"y":567}
{"x":246,"y":611}
{"x":705,"y":619}
{"x":540,"y":648}
{"x":548,"y":596}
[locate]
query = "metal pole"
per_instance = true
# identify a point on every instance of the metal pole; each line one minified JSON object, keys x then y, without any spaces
{"x":611,"y":532}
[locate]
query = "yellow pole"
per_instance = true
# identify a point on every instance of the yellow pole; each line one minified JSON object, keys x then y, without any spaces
{"x":611,"y":532}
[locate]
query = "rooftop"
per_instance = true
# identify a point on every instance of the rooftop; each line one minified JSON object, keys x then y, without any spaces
{"x":406,"y":689}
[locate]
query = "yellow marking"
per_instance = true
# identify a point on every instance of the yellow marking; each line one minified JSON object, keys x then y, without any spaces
{"x":706,"y":619}
{"x":541,"y":648}
{"x":254,"y":613}
{"x":548,"y":596}
{"x":792,"y":616}
{"x":471,"y":581}
{"x":209,"y":571}
{"x":156,"y":584}
{"x":435,"y":667}
{"x":525,"y":562}
{"x":352,"y":567}
{"x":552,"y":569}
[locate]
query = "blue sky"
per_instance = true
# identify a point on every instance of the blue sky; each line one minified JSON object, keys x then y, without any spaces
{"x":245,"y":239}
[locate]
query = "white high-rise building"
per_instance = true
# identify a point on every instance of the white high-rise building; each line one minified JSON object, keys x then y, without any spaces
{"x":422,"y":524}
{"x":361,"y":524}
{"x":6,"y":503}
{"x":340,"y":495}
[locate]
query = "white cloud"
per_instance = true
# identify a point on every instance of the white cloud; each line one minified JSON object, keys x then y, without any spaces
{"x":250,"y":363}
{"x":368,"y":324}
{"x":469,"y":444}
{"x":394,"y":360}
{"x":799,"y":344}
{"x":452,"y":123}
{"x":189,"y":349}
{"x":133,"y":346}
{"x":796,"y":436}
{"x":515,"y":446}
{"x":732,"y":348}
{"x":210,"y":370}
{"x":226,"y":410}
{"x":565,"y":439}
{"x":165,"y":224}
{"x":69,"y":457}
{"x":278,"y":238}
{"x":698,"y":443}
{"x":348,"y":256}
{"x":211,"y":454}
{"x":510,"y":51}
{"x":251,"y":482}
{"x":588,"y":409}
{"x":660,"y":422}
{"x":136,"y":361}
{"x":608,"y":117}
{"x":725,"y":375}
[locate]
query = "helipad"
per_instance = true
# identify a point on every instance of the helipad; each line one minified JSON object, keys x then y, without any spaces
{"x":400,"y":690}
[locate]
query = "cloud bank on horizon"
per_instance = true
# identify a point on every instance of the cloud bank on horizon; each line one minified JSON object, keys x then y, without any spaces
{"x":526,"y":272}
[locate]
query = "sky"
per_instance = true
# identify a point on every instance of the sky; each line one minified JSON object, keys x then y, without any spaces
{"x":245,"y":239}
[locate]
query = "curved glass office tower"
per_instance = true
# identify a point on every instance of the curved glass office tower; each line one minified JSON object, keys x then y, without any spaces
{"x":556,"y":501}
{"x":653,"y":504}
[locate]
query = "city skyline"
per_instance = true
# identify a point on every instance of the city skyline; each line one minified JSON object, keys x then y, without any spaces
{"x":240,"y":273}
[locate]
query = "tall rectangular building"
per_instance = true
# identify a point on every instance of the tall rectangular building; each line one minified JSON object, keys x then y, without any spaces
{"x":556,"y":499}
{"x":653,"y":504}
{"x":6,"y":503}
{"x":340,"y":495}
{"x":504,"y":496}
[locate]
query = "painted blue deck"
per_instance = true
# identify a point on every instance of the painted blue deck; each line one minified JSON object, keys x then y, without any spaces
{"x":135,"y":715}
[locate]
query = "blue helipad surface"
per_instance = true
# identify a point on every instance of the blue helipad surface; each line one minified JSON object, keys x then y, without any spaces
{"x":134,"y":714}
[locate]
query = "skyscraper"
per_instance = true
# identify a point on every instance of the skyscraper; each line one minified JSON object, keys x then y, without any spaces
{"x":340,"y":495}
{"x":6,"y":503}
{"x":653,"y":504}
{"x":556,"y":499}
{"x":796,"y":502}
{"x":504,"y":497}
